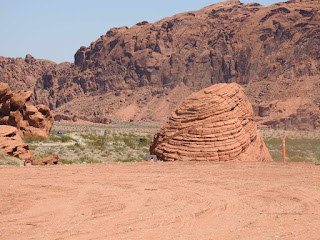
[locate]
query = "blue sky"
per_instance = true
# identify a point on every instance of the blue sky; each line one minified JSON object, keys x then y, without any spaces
{"x":56,"y":29}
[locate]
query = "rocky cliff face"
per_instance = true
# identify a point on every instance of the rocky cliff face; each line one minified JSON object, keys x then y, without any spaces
{"x":273,"y":52}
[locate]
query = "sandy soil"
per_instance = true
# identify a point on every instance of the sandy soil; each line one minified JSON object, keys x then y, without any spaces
{"x":161,"y":201}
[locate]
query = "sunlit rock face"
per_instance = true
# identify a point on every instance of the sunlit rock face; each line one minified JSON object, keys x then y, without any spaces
{"x":12,"y":144}
{"x":214,"y":124}
{"x":16,"y":110}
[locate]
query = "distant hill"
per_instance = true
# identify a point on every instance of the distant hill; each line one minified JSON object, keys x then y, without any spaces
{"x":142,"y":72}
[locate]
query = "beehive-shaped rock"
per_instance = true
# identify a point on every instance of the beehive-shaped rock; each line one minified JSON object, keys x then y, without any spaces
{"x":214,"y":124}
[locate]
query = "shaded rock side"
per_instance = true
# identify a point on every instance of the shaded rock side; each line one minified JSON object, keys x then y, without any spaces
{"x":214,"y":124}
{"x":12,"y":144}
{"x":16,"y":110}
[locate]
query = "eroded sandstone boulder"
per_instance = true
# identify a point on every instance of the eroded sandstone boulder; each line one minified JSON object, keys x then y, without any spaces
{"x":16,"y":110}
{"x":214,"y":124}
{"x":50,"y":160}
{"x":12,"y":144}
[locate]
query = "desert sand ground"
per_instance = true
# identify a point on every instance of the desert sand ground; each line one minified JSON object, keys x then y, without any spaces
{"x":142,"y":200}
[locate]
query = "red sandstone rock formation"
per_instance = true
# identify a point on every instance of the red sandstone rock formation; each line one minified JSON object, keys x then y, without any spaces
{"x":16,"y":110}
{"x":50,"y":160}
{"x":273,"y":52}
{"x":214,"y":124}
{"x":12,"y":144}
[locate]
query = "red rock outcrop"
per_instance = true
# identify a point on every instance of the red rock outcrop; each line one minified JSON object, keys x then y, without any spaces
{"x":16,"y":110}
{"x":12,"y":144}
{"x":214,"y":124}
{"x":50,"y":160}
{"x":273,"y":52}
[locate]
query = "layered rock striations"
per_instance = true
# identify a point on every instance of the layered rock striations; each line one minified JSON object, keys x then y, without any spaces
{"x":214,"y":124}
{"x":273,"y":52}
{"x":16,"y":110}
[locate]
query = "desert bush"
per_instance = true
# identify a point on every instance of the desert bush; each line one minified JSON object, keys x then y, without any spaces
{"x":297,"y":150}
{"x":116,"y":139}
{"x":118,"y":143}
{"x":83,"y":159}
{"x":87,"y":159}
{"x":7,"y":160}
{"x":135,"y":141}
{"x":93,"y":137}
{"x":76,"y":146}
{"x":100,"y":145}
{"x":104,"y":155}
{"x":30,"y":140}
{"x":66,"y":161}
{"x":97,"y":142}
{"x":146,"y":151}
{"x":44,"y":154}
{"x":63,"y":138}
{"x":130,"y":159}
{"x":118,"y":149}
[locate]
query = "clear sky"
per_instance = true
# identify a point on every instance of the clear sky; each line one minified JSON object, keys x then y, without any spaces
{"x":56,"y":29}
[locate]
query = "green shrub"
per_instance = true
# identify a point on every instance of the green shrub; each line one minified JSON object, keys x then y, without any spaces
{"x":136,"y":142}
{"x":131,"y":159}
{"x":100,"y":145}
{"x":44,"y":154}
{"x":87,"y":159}
{"x":146,"y":151}
{"x":7,"y":160}
{"x":29,"y":140}
{"x":118,"y":148}
{"x":66,"y":161}
{"x":116,"y":139}
{"x":63,"y":138}
{"x":297,"y":150}
{"x":76,"y":146}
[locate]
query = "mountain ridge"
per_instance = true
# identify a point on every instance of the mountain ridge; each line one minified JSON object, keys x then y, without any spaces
{"x":273,"y":52}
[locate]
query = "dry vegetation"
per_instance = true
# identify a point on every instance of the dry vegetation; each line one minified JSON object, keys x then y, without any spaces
{"x":119,"y":142}
{"x":129,"y":142}
{"x":301,"y":146}
{"x":6,"y":160}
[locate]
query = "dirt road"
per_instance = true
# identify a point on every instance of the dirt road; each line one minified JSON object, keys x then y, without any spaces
{"x":161,"y":201}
